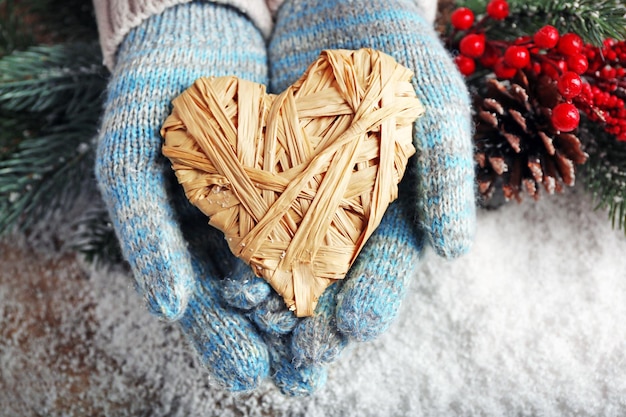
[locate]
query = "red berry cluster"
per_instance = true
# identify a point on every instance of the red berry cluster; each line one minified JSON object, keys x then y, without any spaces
{"x":602,"y":96}
{"x":546,"y":52}
{"x":588,"y":78}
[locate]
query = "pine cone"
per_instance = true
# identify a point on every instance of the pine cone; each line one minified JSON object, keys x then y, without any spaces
{"x":517,"y":146}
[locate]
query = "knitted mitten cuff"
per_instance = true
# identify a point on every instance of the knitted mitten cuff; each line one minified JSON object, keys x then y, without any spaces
{"x":117,"y":17}
{"x":428,"y":8}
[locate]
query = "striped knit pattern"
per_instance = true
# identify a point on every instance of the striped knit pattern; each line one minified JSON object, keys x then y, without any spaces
{"x":244,"y":294}
{"x":441,"y":193}
{"x":427,"y":8}
{"x":157,"y":61}
{"x":227,"y":343}
{"x":369,"y":301}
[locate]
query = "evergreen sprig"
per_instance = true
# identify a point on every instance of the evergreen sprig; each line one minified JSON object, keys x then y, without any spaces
{"x":593,"y":20}
{"x":50,"y":102}
{"x":51,"y":90}
{"x":42,"y":173}
{"x":605,"y":174}
{"x":65,"y":78}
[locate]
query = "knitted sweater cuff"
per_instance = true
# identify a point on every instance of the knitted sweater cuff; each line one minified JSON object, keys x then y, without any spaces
{"x":117,"y":17}
{"x":427,"y":7}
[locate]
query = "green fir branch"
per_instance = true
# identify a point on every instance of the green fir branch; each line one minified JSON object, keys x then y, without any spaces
{"x":50,"y":78}
{"x":593,"y":20}
{"x":50,"y":103}
{"x":51,"y":90}
{"x":605,"y":174}
{"x":44,"y":173}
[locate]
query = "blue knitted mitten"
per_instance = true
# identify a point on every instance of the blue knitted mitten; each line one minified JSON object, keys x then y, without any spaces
{"x":438,"y":193}
{"x":441,"y":192}
{"x":176,"y":261}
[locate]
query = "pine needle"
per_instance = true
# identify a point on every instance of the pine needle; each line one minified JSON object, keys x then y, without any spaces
{"x":51,"y":90}
{"x":605,"y":175}
{"x":66,"y":77}
{"x":50,"y":103}
{"x":593,"y":20}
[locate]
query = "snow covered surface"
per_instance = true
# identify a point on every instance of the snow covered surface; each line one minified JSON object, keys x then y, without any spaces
{"x":530,"y":323}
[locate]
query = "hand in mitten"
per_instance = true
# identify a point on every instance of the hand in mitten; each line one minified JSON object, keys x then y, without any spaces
{"x":176,"y":261}
{"x":436,"y":200}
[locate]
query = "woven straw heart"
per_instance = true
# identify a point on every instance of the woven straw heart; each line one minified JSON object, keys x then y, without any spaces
{"x":297,"y":181}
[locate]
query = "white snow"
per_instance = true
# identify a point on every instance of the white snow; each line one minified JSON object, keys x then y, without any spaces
{"x":530,"y":323}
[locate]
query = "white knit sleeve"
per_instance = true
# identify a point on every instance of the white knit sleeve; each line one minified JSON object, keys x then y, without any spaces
{"x":428,"y":9}
{"x":117,"y":17}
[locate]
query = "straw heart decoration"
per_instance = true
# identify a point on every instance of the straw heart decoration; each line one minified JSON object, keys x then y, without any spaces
{"x":297,"y":181}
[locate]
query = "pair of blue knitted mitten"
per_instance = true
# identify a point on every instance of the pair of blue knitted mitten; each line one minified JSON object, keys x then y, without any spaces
{"x":238,"y":325}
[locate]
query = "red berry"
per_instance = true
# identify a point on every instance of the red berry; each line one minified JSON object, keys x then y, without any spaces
{"x":554,"y":69}
{"x":462,"y":18}
{"x":547,"y":37}
{"x":490,"y":57}
{"x":607,"y":73}
{"x":611,"y":56}
{"x":472,"y":45}
{"x":570,"y":85}
{"x":578,"y":63}
{"x":517,"y":56}
{"x":465,"y":64}
{"x":503,"y":71}
{"x":591,"y":54}
{"x":549,"y":70}
{"x":570,"y":44}
{"x":609,"y":42}
{"x":498,"y":9}
{"x":565,"y":117}
{"x":521,"y":40}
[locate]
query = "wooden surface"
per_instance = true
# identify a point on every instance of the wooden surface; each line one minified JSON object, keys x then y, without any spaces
{"x":47,"y":325}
